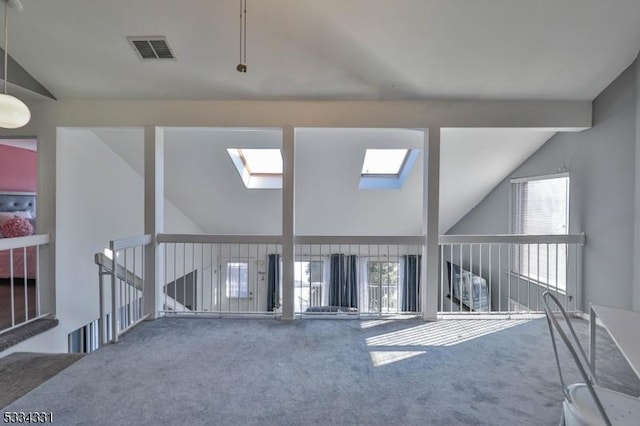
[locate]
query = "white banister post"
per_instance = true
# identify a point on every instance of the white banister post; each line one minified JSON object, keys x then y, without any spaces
{"x":153,"y":217}
{"x":288,"y":220}
{"x":430,"y":213}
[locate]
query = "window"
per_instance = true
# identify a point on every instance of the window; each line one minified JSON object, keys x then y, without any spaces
{"x":386,"y":168}
{"x":262,"y":161}
{"x":382,"y":282}
{"x":308,"y":277}
{"x":384,"y":161}
{"x":258,"y":168}
{"x":237,"y":280}
{"x":86,"y":338}
{"x":540,"y":206}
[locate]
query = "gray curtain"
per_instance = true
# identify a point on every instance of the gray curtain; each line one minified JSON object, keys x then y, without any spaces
{"x":411,"y":283}
{"x":343,"y":281}
{"x":273,"y":282}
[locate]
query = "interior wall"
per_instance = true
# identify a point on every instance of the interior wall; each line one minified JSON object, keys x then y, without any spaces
{"x":601,"y":164}
{"x":18,"y":169}
{"x":99,"y":198}
{"x":327,"y":198}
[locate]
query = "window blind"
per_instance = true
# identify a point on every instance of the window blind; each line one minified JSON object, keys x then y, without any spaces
{"x":541,"y":207}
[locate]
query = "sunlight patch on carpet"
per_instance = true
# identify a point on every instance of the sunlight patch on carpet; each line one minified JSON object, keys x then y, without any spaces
{"x":441,"y":333}
{"x":380,"y":358}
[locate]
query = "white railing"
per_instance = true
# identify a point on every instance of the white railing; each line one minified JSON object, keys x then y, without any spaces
{"x":124,"y":263}
{"x":357,"y":275}
{"x":20,"y":286}
{"x":506,"y":274}
{"x":221,"y":274}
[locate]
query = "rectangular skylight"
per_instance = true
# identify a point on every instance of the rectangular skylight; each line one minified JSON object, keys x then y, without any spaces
{"x":258,"y":168}
{"x":384,"y":161}
{"x":386,"y":168}
{"x":262,"y":161}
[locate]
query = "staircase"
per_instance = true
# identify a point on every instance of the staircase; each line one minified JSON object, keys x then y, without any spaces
{"x":25,"y":331}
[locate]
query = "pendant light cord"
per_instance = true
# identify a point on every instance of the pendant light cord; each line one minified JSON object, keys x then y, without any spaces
{"x":6,"y":35}
{"x":243,"y":37}
{"x":244,"y":59}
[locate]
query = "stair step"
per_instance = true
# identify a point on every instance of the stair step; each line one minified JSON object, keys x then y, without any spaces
{"x":24,"y":332}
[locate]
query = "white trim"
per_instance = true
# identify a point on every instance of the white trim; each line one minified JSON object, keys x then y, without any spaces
{"x":539,"y":177}
{"x":219,"y":239}
{"x":360,"y":240}
{"x":20,"y":242}
{"x":125,"y":243}
{"x":513,"y":239}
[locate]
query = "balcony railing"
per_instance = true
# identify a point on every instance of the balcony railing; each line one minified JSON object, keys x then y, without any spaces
{"x":124,"y":264}
{"x":221,"y":274}
{"x":20,"y":283}
{"x":505,"y":274}
{"x":357,"y":275}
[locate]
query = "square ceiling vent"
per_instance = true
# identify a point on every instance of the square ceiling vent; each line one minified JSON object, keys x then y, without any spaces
{"x":151,"y":47}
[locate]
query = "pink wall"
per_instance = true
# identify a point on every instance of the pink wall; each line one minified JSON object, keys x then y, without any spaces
{"x":18,"y":169}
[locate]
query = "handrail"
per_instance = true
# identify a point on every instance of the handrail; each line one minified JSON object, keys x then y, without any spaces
{"x":513,"y":239}
{"x":20,"y":242}
{"x":361,"y":240}
{"x":125,"y":243}
{"x":219,"y":239}
{"x":123,"y":274}
{"x":107,"y":266}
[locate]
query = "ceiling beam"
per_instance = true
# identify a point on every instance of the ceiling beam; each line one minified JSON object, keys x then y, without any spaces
{"x":545,"y":115}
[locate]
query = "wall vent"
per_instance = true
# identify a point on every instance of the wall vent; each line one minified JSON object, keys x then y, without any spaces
{"x":151,"y":47}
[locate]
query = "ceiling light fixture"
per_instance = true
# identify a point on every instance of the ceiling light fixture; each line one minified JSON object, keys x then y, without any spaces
{"x":13,"y":112}
{"x":242,"y":66}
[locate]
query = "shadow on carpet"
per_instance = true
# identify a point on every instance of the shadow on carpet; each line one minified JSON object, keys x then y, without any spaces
{"x":21,"y":372}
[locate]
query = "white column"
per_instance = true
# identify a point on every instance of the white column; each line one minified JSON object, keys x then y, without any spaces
{"x":153,"y":217}
{"x":430,"y":213}
{"x":288,"y":220}
{"x":636,"y":263}
{"x":46,"y":216}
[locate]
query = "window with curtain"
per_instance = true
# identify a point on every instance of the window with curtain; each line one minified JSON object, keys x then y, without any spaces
{"x":309,"y":283}
{"x":382,"y":285}
{"x":540,"y":206}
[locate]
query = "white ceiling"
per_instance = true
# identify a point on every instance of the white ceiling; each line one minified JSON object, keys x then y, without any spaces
{"x":331,"y":49}
{"x":201,"y":180}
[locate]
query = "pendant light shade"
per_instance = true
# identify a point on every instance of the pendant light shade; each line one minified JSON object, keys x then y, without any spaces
{"x":13,"y":112}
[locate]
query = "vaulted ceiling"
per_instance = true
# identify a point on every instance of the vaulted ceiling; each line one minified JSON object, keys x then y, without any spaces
{"x":331,"y":49}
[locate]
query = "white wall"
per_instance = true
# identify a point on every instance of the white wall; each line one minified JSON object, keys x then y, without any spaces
{"x":327,"y":198}
{"x":99,"y":198}
{"x":601,"y":163}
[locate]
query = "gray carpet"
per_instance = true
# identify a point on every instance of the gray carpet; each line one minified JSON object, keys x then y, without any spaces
{"x":340,"y":372}
{"x":21,"y":372}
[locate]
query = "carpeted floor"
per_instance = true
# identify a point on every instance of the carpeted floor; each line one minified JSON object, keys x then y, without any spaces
{"x":309,"y":372}
{"x":21,"y":372}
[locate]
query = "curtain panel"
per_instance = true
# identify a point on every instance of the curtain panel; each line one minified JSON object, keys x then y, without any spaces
{"x":343,"y":281}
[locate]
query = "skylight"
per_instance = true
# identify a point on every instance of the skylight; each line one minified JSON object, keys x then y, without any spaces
{"x":262,"y":161}
{"x":384,"y":161}
{"x":386,"y":168}
{"x":258,"y":168}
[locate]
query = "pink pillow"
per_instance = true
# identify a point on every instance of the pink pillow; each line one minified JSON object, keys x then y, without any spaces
{"x":16,"y":227}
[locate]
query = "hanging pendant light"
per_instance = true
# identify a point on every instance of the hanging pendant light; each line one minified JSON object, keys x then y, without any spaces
{"x":13,"y":112}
